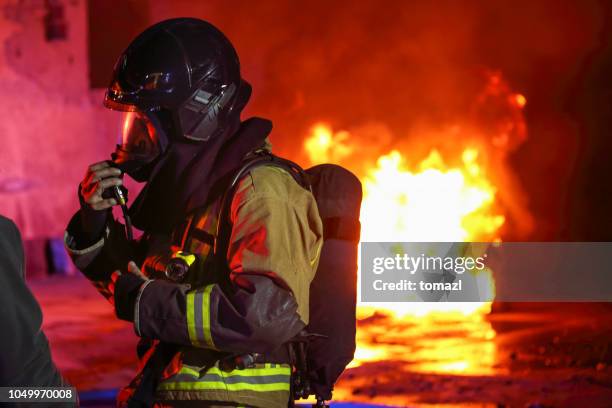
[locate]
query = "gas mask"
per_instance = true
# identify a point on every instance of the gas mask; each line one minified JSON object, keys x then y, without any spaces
{"x":140,"y":144}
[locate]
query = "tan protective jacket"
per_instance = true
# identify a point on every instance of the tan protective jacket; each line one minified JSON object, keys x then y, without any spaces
{"x":276,"y":237}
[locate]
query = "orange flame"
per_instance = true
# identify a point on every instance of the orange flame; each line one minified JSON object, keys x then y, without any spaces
{"x":427,"y":202}
{"x":431,"y":201}
{"x":324,"y":146}
{"x":520,"y":100}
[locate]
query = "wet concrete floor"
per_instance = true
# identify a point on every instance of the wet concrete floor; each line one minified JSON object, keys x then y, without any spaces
{"x":543,"y":355}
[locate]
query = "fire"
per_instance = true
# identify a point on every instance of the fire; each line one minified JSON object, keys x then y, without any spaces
{"x":427,"y":202}
{"x":432,"y":204}
{"x":453,"y":192}
{"x":324,"y":146}
{"x":520,"y":100}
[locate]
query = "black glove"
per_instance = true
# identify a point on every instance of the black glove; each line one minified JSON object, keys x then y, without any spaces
{"x":93,"y":223}
{"x":126,"y":291}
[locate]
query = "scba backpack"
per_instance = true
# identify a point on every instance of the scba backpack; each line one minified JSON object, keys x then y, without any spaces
{"x":327,"y":345}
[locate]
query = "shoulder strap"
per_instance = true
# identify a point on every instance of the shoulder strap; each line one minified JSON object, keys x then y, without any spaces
{"x":262,"y":158}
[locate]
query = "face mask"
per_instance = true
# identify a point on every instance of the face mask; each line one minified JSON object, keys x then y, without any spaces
{"x":138,"y":145}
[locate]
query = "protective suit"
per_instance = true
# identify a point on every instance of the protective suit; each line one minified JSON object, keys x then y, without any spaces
{"x":218,"y":329}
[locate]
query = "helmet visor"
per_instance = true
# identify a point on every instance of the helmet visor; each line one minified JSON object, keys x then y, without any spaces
{"x":138,"y":138}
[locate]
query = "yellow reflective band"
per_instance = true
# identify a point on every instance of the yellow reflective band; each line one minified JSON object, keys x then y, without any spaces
{"x":189,"y":371}
{"x":191,"y":327}
{"x":246,"y":372}
{"x":206,"y":316}
{"x":218,"y":385}
{"x":248,"y":379}
{"x":198,"y":317}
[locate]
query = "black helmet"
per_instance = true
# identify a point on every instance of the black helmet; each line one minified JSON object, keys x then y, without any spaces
{"x":182,"y":75}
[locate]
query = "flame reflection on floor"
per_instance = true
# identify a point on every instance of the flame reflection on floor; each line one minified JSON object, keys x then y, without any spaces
{"x":438,"y":342}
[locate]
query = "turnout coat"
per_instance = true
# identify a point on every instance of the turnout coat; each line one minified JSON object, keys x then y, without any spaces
{"x":273,"y":250}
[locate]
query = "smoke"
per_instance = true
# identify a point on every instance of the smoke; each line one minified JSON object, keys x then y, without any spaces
{"x":400,"y":63}
{"x":413,"y":69}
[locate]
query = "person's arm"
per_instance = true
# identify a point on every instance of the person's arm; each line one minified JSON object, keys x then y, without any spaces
{"x":98,"y":260}
{"x":96,"y":242}
{"x":25,"y":358}
{"x":272,"y":255}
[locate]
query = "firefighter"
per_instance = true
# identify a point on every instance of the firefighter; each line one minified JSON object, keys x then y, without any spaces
{"x":212,"y":333}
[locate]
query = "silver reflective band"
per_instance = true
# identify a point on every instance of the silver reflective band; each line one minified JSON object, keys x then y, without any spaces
{"x":137,"y":306}
{"x":38,"y":394}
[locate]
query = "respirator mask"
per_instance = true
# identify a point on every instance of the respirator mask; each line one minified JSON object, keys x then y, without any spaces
{"x":139,"y":145}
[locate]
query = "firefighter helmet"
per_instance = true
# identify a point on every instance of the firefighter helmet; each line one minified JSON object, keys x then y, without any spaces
{"x":184,"y":75}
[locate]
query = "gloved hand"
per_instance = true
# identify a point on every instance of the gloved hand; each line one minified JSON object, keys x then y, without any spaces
{"x":99,"y":177}
{"x":125,"y":287}
{"x":95,"y":208}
